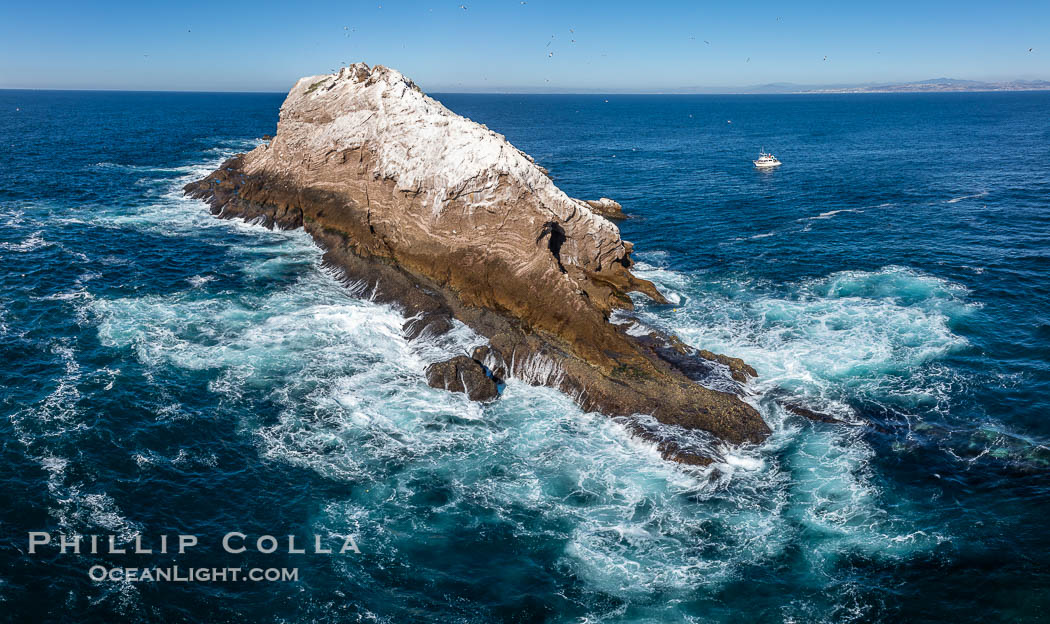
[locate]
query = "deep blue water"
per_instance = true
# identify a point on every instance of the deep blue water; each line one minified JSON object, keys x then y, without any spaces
{"x":166,"y":372}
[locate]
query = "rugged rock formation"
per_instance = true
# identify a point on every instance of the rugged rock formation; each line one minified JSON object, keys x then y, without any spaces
{"x":427,"y":209}
{"x":463,"y":374}
{"x":607,"y":208}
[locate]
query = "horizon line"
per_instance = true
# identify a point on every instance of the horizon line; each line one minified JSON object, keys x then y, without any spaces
{"x":828,"y":90}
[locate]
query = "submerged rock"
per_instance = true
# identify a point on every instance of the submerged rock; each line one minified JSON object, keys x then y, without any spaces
{"x":424,"y":208}
{"x":805,"y":412}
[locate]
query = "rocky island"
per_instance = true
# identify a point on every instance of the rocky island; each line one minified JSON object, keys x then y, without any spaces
{"x":439,"y":215}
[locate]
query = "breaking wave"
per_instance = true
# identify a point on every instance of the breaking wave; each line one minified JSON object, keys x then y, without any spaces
{"x":852,"y":333}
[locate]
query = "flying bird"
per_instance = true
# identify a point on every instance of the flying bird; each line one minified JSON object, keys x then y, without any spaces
{"x":825,"y":58}
{"x":463,"y":6}
{"x":1029,"y":49}
{"x":707,"y":42}
{"x":551,"y":55}
{"x":748,"y":60}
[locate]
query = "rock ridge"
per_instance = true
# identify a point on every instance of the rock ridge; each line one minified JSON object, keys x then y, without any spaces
{"x":423,"y":208}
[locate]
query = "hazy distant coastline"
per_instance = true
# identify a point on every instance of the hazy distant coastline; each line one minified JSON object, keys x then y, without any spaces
{"x":934,"y":85}
{"x":938,"y":85}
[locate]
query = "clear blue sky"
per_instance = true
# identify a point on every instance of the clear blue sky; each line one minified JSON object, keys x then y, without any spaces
{"x":503,"y":45}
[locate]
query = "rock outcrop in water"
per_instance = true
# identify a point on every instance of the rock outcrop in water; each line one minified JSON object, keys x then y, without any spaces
{"x":607,"y":208}
{"x":424,"y":208}
{"x":463,"y":374}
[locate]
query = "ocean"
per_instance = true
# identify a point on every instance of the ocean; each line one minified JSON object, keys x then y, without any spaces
{"x":169,"y":373}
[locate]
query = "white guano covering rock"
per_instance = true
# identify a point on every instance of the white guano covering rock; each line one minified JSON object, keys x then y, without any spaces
{"x":427,"y":149}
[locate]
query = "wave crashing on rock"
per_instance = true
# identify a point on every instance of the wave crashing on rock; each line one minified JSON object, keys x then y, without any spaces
{"x":425,"y":209}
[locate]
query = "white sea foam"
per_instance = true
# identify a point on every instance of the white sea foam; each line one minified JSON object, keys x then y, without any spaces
{"x":11,"y":217}
{"x":871,"y":334}
{"x":956,"y":200}
{"x":33,"y":242}
{"x":46,"y":429}
{"x":831,"y":213}
{"x":847,"y":330}
{"x":200,"y":280}
{"x":149,"y":169}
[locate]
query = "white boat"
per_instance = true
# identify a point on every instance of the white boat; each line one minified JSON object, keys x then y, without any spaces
{"x":765,"y":161}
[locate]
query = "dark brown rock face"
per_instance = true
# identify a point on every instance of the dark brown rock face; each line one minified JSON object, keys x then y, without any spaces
{"x":428,"y":210}
{"x":462,"y":374}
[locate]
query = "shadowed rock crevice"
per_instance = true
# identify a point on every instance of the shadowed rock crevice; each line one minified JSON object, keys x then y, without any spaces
{"x":555,"y":236}
{"x":424,"y":209}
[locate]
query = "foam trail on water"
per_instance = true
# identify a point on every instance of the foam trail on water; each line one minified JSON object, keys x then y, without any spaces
{"x":956,"y":200}
{"x":49,"y":430}
{"x":830,"y":213}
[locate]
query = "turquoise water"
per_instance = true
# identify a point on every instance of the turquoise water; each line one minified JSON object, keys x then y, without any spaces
{"x":167,"y":372}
